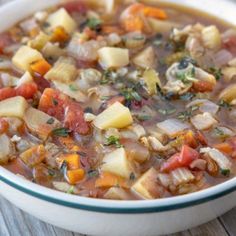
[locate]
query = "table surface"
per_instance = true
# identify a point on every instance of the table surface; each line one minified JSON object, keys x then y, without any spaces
{"x":14,"y":222}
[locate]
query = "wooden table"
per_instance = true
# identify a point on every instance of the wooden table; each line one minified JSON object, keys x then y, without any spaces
{"x":14,"y":222}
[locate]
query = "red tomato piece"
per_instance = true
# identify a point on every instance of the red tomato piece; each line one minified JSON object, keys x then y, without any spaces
{"x":230,"y":44}
{"x":60,"y":106}
{"x":7,"y":93}
{"x":27,"y":90}
{"x":77,"y":6}
{"x":182,"y":159}
{"x":41,"y":82}
{"x":74,"y":118}
{"x":203,"y":86}
{"x":3,"y":126}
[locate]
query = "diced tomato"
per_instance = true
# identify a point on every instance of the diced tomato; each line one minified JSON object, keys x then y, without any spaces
{"x":52,"y":103}
{"x":74,"y":118}
{"x":41,"y":82}
{"x":27,"y":90}
{"x":60,"y":106}
{"x":7,"y":93}
{"x":77,"y":6}
{"x":3,"y":126}
{"x":201,"y":138}
{"x":182,"y":159}
{"x":203,"y":86}
{"x":230,"y":44}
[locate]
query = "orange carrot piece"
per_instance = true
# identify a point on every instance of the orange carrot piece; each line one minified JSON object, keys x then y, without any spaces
{"x":73,"y":161}
{"x":190,"y":139}
{"x":155,"y":13}
{"x":41,"y":67}
{"x":107,"y":29}
{"x":59,"y":35}
{"x":74,"y":176}
{"x":135,"y":8}
{"x":107,"y":180}
{"x":224,"y":147}
{"x":133,"y":23}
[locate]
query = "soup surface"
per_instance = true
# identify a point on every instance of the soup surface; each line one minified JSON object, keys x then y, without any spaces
{"x":119,"y":101}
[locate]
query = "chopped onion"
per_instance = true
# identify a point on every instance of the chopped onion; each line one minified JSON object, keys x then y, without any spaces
{"x":203,"y":121}
{"x":28,"y":25}
{"x":62,"y":186}
{"x":6,"y":148}
{"x":223,"y":162}
{"x":222,"y":57}
{"x":204,"y":106}
{"x":172,"y":127}
{"x":182,"y":176}
{"x":165,"y":179}
{"x":199,"y":164}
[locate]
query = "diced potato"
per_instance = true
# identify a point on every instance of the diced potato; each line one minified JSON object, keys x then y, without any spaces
{"x":145,"y":59}
{"x":211,"y":37}
{"x":71,"y":90}
{"x":117,"y":163}
{"x":203,"y":121}
{"x":15,"y":107}
{"x":39,"y":122}
{"x":146,"y":186}
{"x":229,"y":93}
{"x":34,"y":155}
{"x":39,"y":41}
{"x":63,"y":71}
{"x":6,"y":148}
{"x":62,"y":18}
{"x":117,"y":194}
{"x":25,"y":56}
{"x":115,"y":116}
{"x":26,"y":78}
{"x":151,"y":79}
{"x":110,"y":57}
{"x":53,"y":51}
{"x":160,"y":26}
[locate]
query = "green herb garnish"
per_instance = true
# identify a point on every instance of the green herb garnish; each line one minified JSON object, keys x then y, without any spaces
{"x":130,"y":94}
{"x":61,"y":132}
{"x":106,"y":77}
{"x":225,"y":172}
{"x":93,"y":173}
{"x":167,"y":111}
{"x":143,"y":117}
{"x":50,"y":121}
{"x":186,"y":115}
{"x":94,"y":23}
{"x":224,"y":104}
{"x":186,"y":76}
{"x":54,"y":101}
{"x":217,"y":72}
{"x":113,"y":140}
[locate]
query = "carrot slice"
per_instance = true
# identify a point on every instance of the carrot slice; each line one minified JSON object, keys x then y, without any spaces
{"x":224,"y":147}
{"x":107,"y":180}
{"x":74,"y":176}
{"x":155,"y":13}
{"x":41,"y":67}
{"x":72,"y":161}
{"x":133,"y":23}
{"x":59,"y":35}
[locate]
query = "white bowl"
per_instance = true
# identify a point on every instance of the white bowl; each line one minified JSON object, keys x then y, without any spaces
{"x":108,"y":217}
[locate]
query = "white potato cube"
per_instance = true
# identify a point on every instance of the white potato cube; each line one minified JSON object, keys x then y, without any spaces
{"x":146,"y":186}
{"x":13,"y":107}
{"x":117,"y":163}
{"x":145,"y":59}
{"x":117,"y":193}
{"x":115,"y":116}
{"x":6,"y":148}
{"x":62,"y":18}
{"x":110,"y":57}
{"x":26,"y":78}
{"x":25,"y":56}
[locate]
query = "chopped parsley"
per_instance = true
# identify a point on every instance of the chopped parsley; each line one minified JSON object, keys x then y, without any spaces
{"x":94,"y":23}
{"x":132,"y":176}
{"x":186,"y":115}
{"x":106,"y":78}
{"x":93,"y":173}
{"x":143,"y":117}
{"x":225,"y":172}
{"x":61,"y":132}
{"x":130,"y":94}
{"x":113,"y":140}
{"x":186,"y":76}
{"x":50,"y":121}
{"x":54,"y":101}
{"x":217,"y":72}
{"x":224,"y":104}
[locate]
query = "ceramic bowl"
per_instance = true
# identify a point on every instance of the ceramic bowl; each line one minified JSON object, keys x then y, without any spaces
{"x":109,"y":217}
